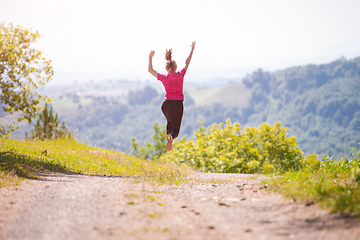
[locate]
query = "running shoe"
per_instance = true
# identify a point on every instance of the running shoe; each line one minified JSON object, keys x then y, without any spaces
{"x":169,"y":140}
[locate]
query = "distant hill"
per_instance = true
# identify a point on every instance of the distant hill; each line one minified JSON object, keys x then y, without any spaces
{"x":320,"y":104}
{"x":111,"y":88}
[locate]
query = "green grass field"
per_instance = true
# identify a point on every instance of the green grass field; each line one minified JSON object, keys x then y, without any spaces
{"x":69,"y":103}
{"x":201,"y":96}
{"x":234,"y":95}
{"x":25,"y":159}
{"x":334,"y":185}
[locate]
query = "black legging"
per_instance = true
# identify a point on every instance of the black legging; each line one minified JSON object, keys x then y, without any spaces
{"x":173,"y":111}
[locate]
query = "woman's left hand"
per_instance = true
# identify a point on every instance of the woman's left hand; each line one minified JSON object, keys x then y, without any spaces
{"x":193,"y":45}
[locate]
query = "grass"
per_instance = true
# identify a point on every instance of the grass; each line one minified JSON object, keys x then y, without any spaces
{"x":334,"y":185}
{"x":24,"y":159}
{"x":223,"y":181}
{"x":235,"y":95}
{"x":202,"y":95}
{"x":69,"y":103}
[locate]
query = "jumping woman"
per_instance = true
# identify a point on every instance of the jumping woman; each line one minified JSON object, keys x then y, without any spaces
{"x":172,"y":106}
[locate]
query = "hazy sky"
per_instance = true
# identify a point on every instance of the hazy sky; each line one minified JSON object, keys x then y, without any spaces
{"x":111,"y":39}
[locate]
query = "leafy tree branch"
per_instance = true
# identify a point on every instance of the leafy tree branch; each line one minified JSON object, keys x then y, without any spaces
{"x":22,"y":70}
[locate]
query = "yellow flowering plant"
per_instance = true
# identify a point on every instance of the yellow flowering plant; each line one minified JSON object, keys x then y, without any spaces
{"x":228,"y":148}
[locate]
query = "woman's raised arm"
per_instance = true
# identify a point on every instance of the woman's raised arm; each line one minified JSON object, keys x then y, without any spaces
{"x":187,"y":62}
{"x":150,"y":66}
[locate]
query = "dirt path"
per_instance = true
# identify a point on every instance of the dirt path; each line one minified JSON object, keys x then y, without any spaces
{"x":93,"y":207}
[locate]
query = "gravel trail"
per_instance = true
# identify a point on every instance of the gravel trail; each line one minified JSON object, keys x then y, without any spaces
{"x":61,"y":206}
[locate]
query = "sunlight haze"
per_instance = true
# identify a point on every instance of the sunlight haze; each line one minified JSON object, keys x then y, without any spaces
{"x":109,"y":39}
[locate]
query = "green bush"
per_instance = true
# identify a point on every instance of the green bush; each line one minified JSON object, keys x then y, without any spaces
{"x":334,"y":185}
{"x":151,"y":151}
{"x":225,"y":148}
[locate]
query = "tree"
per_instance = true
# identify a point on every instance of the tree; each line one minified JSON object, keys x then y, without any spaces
{"x":141,"y":97}
{"x":156,"y":150}
{"x":22,"y":70}
{"x":49,"y":127}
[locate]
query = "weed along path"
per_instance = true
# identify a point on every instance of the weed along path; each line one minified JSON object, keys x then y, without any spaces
{"x":215,"y":206}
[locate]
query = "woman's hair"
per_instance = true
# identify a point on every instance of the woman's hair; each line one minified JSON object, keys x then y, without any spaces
{"x":170,"y":65}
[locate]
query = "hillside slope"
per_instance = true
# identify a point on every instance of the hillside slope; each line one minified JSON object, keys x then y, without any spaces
{"x":319,"y":103}
{"x":231,"y":95}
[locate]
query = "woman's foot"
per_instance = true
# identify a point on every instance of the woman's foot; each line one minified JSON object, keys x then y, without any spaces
{"x":169,"y":140}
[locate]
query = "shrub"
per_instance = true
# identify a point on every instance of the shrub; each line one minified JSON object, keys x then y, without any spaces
{"x":151,"y":151}
{"x":334,"y":185}
{"x":47,"y":127}
{"x":227,"y":148}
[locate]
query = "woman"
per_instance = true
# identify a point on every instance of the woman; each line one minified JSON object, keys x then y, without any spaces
{"x":172,"y":106}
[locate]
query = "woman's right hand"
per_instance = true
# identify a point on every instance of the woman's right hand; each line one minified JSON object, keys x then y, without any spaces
{"x":151,"y":54}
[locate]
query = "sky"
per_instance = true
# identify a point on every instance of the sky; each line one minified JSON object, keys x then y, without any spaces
{"x":111,"y":39}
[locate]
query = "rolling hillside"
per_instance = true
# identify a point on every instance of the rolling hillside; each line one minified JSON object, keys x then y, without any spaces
{"x":320,"y":104}
{"x":232,"y":95}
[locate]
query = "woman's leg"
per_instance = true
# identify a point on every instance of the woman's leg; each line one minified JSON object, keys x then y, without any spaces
{"x":177,"y":110}
{"x":166,"y":109}
{"x":173,"y":111}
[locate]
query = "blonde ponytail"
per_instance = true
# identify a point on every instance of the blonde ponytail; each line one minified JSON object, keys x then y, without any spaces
{"x":170,"y":64}
{"x":168,"y":54}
